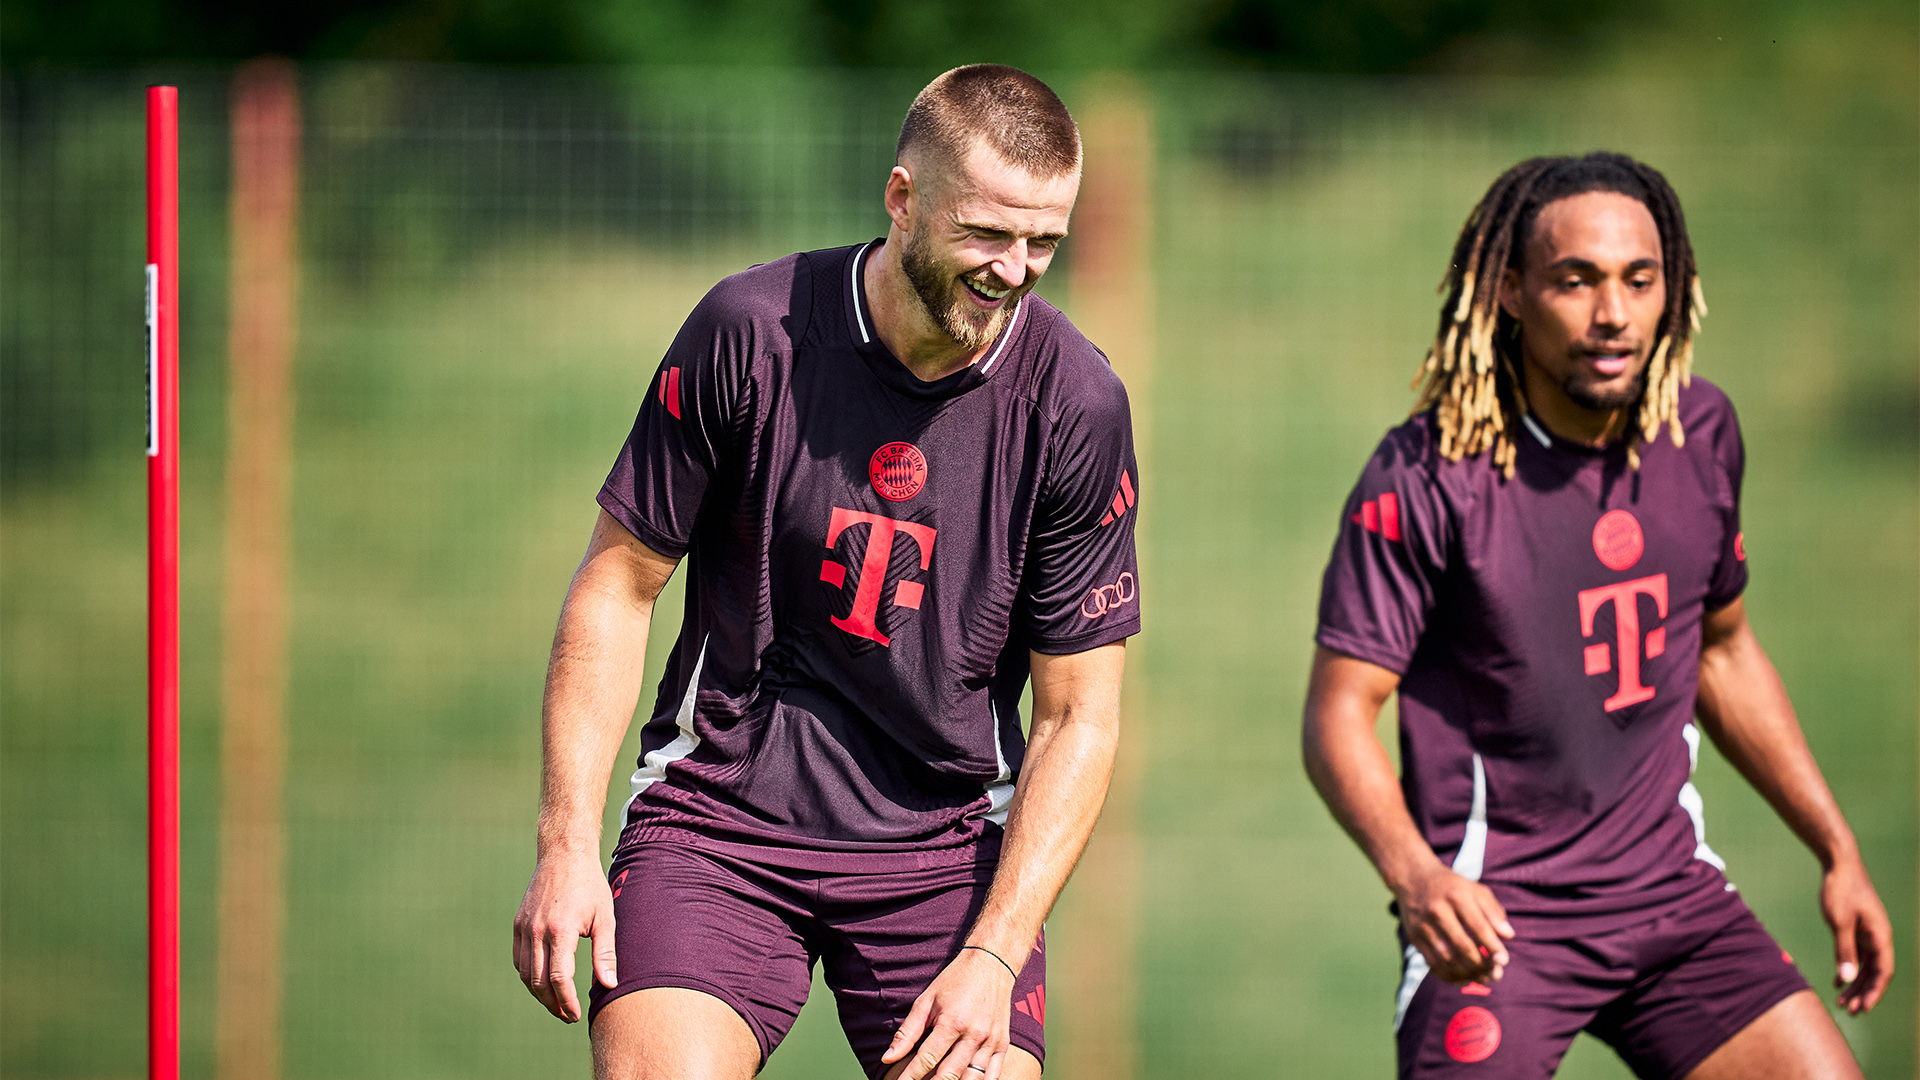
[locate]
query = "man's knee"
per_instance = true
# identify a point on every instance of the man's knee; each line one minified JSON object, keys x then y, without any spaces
{"x":668,"y":1033}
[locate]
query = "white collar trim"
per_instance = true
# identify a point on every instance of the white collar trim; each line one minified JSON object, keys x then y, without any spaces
{"x":1006,"y":336}
{"x":859,"y":313}
{"x":1538,"y":433}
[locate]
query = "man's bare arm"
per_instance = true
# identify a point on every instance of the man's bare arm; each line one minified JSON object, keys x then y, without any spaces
{"x":1075,"y":732}
{"x":593,"y":683}
{"x":1745,"y":710}
{"x":1455,"y":923}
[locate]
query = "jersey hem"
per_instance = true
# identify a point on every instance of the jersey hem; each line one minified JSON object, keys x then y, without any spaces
{"x":1533,"y":915}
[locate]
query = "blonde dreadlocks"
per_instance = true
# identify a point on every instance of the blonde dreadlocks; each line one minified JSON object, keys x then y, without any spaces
{"x":1471,"y":375}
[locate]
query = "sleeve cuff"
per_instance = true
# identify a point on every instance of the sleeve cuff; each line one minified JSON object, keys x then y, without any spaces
{"x":1361,"y":649}
{"x":642,"y":530}
{"x":1079,"y":643}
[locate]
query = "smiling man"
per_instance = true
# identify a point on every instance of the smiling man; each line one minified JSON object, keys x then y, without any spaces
{"x":904,"y":485}
{"x":1546,"y":564}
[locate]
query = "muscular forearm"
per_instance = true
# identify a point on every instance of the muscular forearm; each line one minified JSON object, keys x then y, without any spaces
{"x":1457,"y":924}
{"x":1354,"y":776}
{"x":1744,"y":708}
{"x":1063,"y":783}
{"x":593,"y":683}
{"x":1062,"y":787}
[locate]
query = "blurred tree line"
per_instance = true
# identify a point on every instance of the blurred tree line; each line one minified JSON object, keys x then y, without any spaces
{"x":1519,"y":36}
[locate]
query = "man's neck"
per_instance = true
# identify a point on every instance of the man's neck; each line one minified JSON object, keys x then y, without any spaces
{"x":902,"y":321}
{"x":1567,"y":418}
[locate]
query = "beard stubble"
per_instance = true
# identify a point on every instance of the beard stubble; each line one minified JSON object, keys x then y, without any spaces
{"x":935,"y":291}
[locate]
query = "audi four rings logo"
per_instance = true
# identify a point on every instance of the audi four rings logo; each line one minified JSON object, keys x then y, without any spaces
{"x":1105,"y":598}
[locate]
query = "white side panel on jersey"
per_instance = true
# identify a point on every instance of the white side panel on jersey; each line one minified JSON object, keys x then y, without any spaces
{"x":1472,"y":856}
{"x":653,"y":767}
{"x":1694,"y":805}
{"x":1000,"y":792}
{"x":1467,"y":862}
{"x":1416,"y":973}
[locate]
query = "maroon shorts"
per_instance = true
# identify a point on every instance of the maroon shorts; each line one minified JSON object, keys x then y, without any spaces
{"x":749,"y":934}
{"x":1663,"y":994}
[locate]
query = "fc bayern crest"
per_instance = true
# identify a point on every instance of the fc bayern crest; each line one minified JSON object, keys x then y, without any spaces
{"x":1617,"y":540}
{"x":898,"y":471}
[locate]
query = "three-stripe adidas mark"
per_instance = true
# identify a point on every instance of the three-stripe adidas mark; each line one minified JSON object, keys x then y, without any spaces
{"x":1035,"y":1003}
{"x":1123,"y":499}
{"x":670,"y":391}
{"x":1380,"y":515}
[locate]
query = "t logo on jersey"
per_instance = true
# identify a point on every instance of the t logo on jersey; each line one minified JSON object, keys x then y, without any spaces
{"x":1619,"y":543}
{"x":863,"y":620}
{"x":1625,"y":598}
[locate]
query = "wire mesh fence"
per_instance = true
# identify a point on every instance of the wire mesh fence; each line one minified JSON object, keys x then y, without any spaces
{"x":490,"y":264}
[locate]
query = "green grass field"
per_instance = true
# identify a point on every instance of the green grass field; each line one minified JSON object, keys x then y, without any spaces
{"x":460,"y":400}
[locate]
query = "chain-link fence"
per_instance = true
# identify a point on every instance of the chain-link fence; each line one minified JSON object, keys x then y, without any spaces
{"x":490,"y":264}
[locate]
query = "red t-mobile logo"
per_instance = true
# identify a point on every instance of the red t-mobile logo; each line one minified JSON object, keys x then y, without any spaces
{"x":1625,"y":598}
{"x":863,"y":620}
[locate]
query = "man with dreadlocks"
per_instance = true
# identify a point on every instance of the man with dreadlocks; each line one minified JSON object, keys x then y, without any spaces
{"x":1546,"y":563}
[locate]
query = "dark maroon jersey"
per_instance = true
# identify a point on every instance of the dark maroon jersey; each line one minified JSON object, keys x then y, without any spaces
{"x":1547,"y":634}
{"x":869,"y":558}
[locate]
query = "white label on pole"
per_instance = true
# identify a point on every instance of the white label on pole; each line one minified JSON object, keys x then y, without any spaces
{"x":153,"y":360}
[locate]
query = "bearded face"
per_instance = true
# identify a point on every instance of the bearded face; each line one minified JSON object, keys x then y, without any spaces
{"x":1599,"y":396}
{"x":937,"y":279}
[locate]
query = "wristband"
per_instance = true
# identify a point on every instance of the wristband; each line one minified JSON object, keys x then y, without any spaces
{"x":996,"y":956}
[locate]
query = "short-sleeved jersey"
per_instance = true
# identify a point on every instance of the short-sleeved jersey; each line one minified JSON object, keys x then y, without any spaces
{"x":870,"y":558}
{"x":1547,"y":633}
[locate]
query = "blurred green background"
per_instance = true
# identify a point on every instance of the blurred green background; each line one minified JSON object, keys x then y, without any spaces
{"x":494,"y":255}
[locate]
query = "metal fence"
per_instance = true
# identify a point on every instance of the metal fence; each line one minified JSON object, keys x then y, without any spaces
{"x":490,"y":263}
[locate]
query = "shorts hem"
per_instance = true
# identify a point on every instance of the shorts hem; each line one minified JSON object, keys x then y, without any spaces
{"x":666,"y":980}
{"x":1037,"y":1049}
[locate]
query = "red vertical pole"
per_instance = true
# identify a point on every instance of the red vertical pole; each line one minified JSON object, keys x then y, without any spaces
{"x":163,"y":583}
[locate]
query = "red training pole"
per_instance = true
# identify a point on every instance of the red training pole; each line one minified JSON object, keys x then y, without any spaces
{"x":163,"y":583}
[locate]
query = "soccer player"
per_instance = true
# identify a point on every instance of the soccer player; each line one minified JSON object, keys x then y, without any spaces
{"x":905,"y":487}
{"x":1546,"y":564}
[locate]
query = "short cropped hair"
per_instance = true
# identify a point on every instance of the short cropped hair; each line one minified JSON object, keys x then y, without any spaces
{"x":1013,"y":112}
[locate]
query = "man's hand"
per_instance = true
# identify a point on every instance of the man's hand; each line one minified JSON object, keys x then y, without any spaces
{"x":1862,"y":935}
{"x":568,"y":899}
{"x":1456,"y":924}
{"x":960,"y":1025}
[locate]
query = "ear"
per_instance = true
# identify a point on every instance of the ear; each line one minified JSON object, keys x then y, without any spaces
{"x":902,"y":195}
{"x":1509,"y":295}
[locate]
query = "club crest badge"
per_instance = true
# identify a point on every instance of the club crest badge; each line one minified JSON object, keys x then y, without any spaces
{"x":898,"y":471}
{"x":1617,"y":540}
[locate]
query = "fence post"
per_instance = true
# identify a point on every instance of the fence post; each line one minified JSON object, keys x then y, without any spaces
{"x":260,"y":343}
{"x":1111,"y":290}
